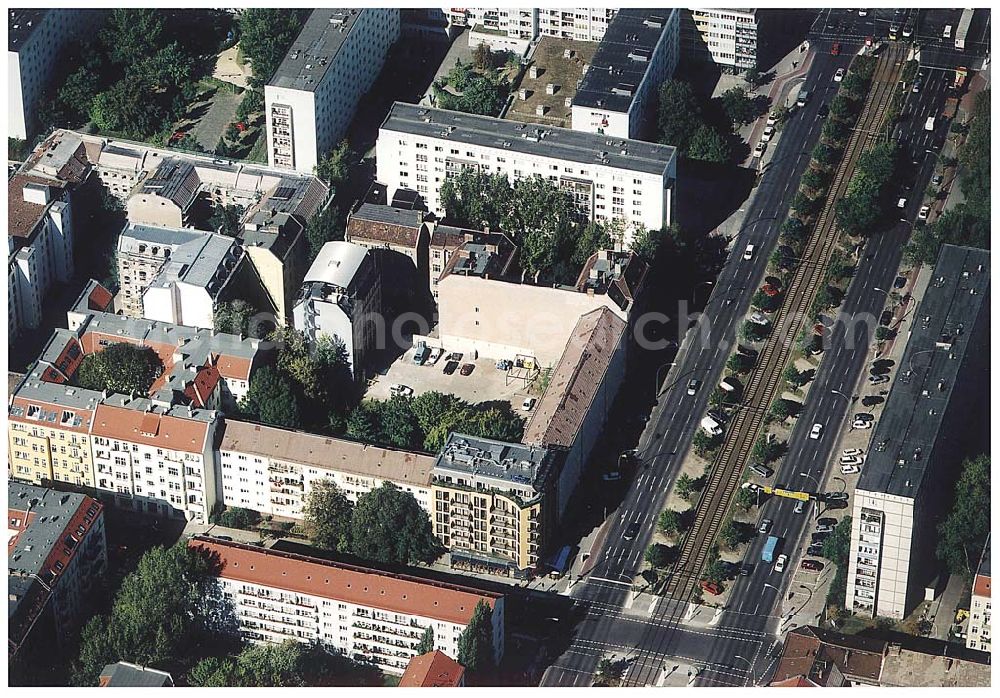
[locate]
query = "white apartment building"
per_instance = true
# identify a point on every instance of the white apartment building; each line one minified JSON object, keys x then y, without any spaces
{"x":341,"y":298}
{"x":40,"y":235}
{"x":39,"y":247}
{"x":618,"y":94}
{"x":980,"y":611}
{"x":56,"y":558}
{"x":311,"y":99}
{"x":156,"y":460}
{"x":272,"y":470}
{"x":513,"y":29}
{"x":610,"y":178}
{"x":35,"y":39}
{"x":727,"y":37}
{"x":928,"y":425}
{"x":360,"y":611}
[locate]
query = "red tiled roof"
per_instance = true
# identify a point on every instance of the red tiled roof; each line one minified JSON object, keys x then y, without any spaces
{"x":150,"y":428}
{"x":981,"y":586}
{"x":357,"y":585}
{"x":432,"y":670}
{"x":100,"y":298}
{"x":233,"y":366}
{"x":201,"y":388}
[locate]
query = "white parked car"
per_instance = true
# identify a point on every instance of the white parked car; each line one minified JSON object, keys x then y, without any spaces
{"x":923,"y":213}
{"x":839,"y":75}
{"x":779,"y":565}
{"x":851,"y":460}
{"x":901,"y":203}
{"x":816,"y":431}
{"x":400,"y":389}
{"x":853,"y":451}
{"x":528,"y":404}
{"x":849,"y":469}
{"x":758,"y":318}
{"x":768,"y":134}
{"x":759,"y":150}
{"x":862,"y":424}
{"x":771,"y":119}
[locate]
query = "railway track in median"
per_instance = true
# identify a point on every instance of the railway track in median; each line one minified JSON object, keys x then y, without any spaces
{"x":764,"y":381}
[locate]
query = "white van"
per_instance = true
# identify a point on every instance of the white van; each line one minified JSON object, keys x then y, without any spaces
{"x":947,"y":31}
{"x":929,"y":124}
{"x":711,"y":426}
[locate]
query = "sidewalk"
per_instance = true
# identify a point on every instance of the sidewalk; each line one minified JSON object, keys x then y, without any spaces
{"x":789,"y":70}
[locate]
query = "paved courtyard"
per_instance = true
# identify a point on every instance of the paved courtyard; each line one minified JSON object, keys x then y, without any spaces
{"x":486,"y":382}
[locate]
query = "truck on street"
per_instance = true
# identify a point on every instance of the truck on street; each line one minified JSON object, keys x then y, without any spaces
{"x":767,"y":554}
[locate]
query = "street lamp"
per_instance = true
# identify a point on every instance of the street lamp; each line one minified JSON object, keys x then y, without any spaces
{"x":694,"y":299}
{"x":766,"y":585}
{"x":925,"y":351}
{"x":656,"y":385}
{"x":749,"y":663}
{"x":845,"y":395}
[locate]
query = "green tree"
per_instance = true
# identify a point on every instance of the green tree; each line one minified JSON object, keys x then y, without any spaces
{"x":732,"y":534}
{"x":125,"y":108}
{"x":806,"y":205}
{"x":685,"y":486}
{"x":814,"y":179}
{"x":225,"y":219}
{"x":271,"y":399}
{"x":326,"y":226}
{"x":746,"y":498}
{"x":754,"y":78}
{"x":426,"y":642}
{"x":670,"y":522}
{"x":287,"y":665}
{"x":233,"y":317}
{"x":781,"y":410}
{"x":328,"y":514}
{"x":647,"y":243}
{"x":853,"y":86}
{"x":962,"y":535}
{"x":335,"y":167}
{"x":739,"y":106}
{"x":841,"y":108}
{"x":363,"y":423}
{"x":265,"y":36}
{"x":431,"y":407}
{"x":680,"y":114}
{"x":238,"y":517}
{"x":130,"y":35}
{"x":975,"y":160}
{"x":825,"y":155}
{"x":709,"y":145}
{"x":794,"y":377}
{"x":659,"y":555}
{"x":482,"y":57}
{"x":77,"y":94}
{"x":121,"y":368}
{"x":388,"y":525}
{"x":837,"y":546}
{"x":156,"y":616}
{"x":251,"y":104}
{"x":704,"y":444}
{"x":740,"y":363}
{"x":475,"y":644}
{"x":399,"y":425}
{"x":716,"y":572}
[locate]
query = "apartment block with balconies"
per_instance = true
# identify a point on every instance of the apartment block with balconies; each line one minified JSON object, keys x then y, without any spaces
{"x":361,"y":611}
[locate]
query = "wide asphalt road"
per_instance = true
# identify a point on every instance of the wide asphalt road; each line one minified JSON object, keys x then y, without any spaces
{"x":754,"y":598}
{"x":674,"y":420}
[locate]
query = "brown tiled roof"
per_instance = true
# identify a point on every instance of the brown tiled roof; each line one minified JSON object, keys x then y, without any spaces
{"x":447,"y":237}
{"x":23,"y":216}
{"x":100,"y":298}
{"x":432,"y":670}
{"x":328,"y":453}
{"x":575,"y":380}
{"x":150,"y":428}
{"x":233,"y":366}
{"x":365,"y":225}
{"x":333,"y":580}
{"x":201,"y":388}
{"x":813,"y":653}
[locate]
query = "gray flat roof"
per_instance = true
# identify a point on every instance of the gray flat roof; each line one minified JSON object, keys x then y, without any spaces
{"x":471,"y":455}
{"x":530,"y":139}
{"x":944,"y":325}
{"x":622,"y":58}
{"x":315,"y":48}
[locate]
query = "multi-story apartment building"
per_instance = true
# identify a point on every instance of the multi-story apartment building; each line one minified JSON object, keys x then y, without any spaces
{"x":41,"y":239}
{"x":360,"y":611}
{"x":610,"y":178}
{"x":273,"y":470}
{"x":279,"y":251}
{"x":397,"y":230}
{"x":581,"y":389}
{"x":35,"y":39}
{"x":433,"y":669}
{"x":490,"y":505}
{"x":156,"y":460}
{"x":513,"y":29}
{"x":931,"y":420}
{"x":483,"y":311}
{"x":978,"y":637}
{"x":311,"y":98}
{"x":618,"y":94}
{"x":153,"y":453}
{"x":341,"y":297}
{"x":142,"y":251}
{"x":56,"y":557}
{"x":726,"y":37}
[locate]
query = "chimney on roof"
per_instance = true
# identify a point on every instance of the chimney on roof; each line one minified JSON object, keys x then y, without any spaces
{"x":36,"y":193}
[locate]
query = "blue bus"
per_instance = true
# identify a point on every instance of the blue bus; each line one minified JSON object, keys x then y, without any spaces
{"x":767,"y":554}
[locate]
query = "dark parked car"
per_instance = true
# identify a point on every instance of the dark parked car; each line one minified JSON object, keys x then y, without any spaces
{"x":824,"y":110}
{"x":450,"y":367}
{"x":819,"y":537}
{"x":899,"y":282}
{"x":454,"y":356}
{"x":812,"y":565}
{"x":467,"y":369}
{"x":826,"y":521}
{"x":864,"y":416}
{"x":816,"y":550}
{"x":885,"y":318}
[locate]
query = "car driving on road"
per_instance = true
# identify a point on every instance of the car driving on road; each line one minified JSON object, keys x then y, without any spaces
{"x":693,"y":385}
{"x":839,"y":75}
{"x":765,"y":526}
{"x":816,"y":431}
{"x":632,"y":531}
{"x":779,"y":564}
